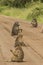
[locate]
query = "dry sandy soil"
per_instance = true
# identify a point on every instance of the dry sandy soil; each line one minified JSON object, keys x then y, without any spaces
{"x":33,"y":38}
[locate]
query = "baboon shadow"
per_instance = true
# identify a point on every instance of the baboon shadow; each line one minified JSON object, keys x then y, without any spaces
{"x":16,"y":62}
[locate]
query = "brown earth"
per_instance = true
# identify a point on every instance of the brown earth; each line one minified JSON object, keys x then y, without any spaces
{"x":33,"y":38}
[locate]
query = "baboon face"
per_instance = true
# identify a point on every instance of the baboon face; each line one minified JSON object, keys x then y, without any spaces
{"x":17,"y":24}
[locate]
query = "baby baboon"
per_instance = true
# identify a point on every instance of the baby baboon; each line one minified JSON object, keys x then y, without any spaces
{"x":34,"y":23}
{"x":18,"y":54}
{"x":19,"y":41}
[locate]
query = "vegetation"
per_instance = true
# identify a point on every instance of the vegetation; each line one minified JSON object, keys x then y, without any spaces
{"x":23,"y":9}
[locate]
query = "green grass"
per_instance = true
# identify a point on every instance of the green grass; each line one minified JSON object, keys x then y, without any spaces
{"x":21,"y":13}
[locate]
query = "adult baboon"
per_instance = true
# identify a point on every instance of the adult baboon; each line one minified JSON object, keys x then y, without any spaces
{"x":15,"y":28}
{"x":18,"y":54}
{"x":19,"y":40}
{"x":34,"y":22}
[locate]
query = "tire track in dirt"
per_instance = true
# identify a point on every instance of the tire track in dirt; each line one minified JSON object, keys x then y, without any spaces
{"x":2,"y":57}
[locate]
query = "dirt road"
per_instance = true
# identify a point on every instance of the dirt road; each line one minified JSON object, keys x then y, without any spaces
{"x":33,"y":38}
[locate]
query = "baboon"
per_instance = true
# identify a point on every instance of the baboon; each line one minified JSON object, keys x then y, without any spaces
{"x":19,"y":41}
{"x":34,"y":22}
{"x":18,"y":54}
{"x":15,"y":29}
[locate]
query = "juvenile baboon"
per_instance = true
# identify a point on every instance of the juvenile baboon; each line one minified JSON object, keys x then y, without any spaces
{"x":18,"y":54}
{"x":19,"y":40}
{"x":34,"y":22}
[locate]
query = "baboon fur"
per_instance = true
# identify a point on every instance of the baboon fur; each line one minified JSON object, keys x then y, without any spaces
{"x":18,"y":54}
{"x":34,"y":23}
{"x":19,"y":41}
{"x":15,"y":29}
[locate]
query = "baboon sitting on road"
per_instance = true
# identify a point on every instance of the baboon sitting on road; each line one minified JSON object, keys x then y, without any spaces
{"x":19,"y":41}
{"x":18,"y":54}
{"x":34,"y":23}
{"x":15,"y":29}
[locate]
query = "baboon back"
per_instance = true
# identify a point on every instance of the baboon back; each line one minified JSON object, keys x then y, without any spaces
{"x":15,"y":30}
{"x":19,"y":54}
